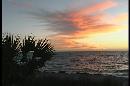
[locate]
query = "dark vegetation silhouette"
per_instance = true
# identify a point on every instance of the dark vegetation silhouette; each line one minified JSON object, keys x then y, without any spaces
{"x":16,"y":66}
{"x":21,"y":60}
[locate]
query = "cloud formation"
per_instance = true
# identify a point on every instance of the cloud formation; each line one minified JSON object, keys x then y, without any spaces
{"x":98,"y":7}
{"x":73,"y":24}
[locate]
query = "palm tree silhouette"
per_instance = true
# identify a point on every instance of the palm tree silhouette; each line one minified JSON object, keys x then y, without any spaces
{"x":20,"y":59}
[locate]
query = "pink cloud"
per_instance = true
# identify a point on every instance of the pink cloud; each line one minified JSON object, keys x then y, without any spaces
{"x":73,"y":25}
{"x":97,"y":7}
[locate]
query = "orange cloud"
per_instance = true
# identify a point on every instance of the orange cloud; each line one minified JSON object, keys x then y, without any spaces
{"x":97,"y":7}
{"x":63,"y":42}
{"x":88,"y":26}
{"x":74,"y":27}
{"x":87,"y":23}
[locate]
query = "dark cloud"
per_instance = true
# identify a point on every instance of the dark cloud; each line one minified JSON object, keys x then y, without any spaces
{"x":55,"y":21}
{"x":67,"y":22}
{"x":69,"y":26}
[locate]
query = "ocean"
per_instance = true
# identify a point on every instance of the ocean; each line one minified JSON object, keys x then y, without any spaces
{"x":94,"y":62}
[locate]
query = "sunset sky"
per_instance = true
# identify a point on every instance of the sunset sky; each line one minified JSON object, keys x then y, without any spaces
{"x":70,"y":24}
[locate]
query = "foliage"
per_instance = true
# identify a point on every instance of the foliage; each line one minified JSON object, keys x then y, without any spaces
{"x":14,"y":68}
{"x":43,"y":51}
{"x":10,"y":48}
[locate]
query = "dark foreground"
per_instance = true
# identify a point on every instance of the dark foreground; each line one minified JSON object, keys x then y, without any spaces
{"x":63,"y":79}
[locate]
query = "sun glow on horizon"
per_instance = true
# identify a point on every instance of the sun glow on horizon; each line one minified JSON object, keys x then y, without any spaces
{"x":73,"y":25}
{"x":96,"y":32}
{"x":113,"y":40}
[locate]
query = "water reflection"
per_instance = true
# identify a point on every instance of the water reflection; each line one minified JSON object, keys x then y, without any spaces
{"x":86,"y":62}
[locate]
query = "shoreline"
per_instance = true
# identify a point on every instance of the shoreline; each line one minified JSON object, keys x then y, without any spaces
{"x":78,"y":79}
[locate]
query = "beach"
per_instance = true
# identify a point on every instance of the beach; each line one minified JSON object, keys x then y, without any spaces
{"x":78,"y":79}
{"x":81,"y":69}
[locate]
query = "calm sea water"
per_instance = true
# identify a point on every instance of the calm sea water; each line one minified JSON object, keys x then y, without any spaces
{"x":94,"y":62}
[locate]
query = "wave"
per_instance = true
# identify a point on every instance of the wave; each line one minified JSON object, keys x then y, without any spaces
{"x":114,"y":63}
